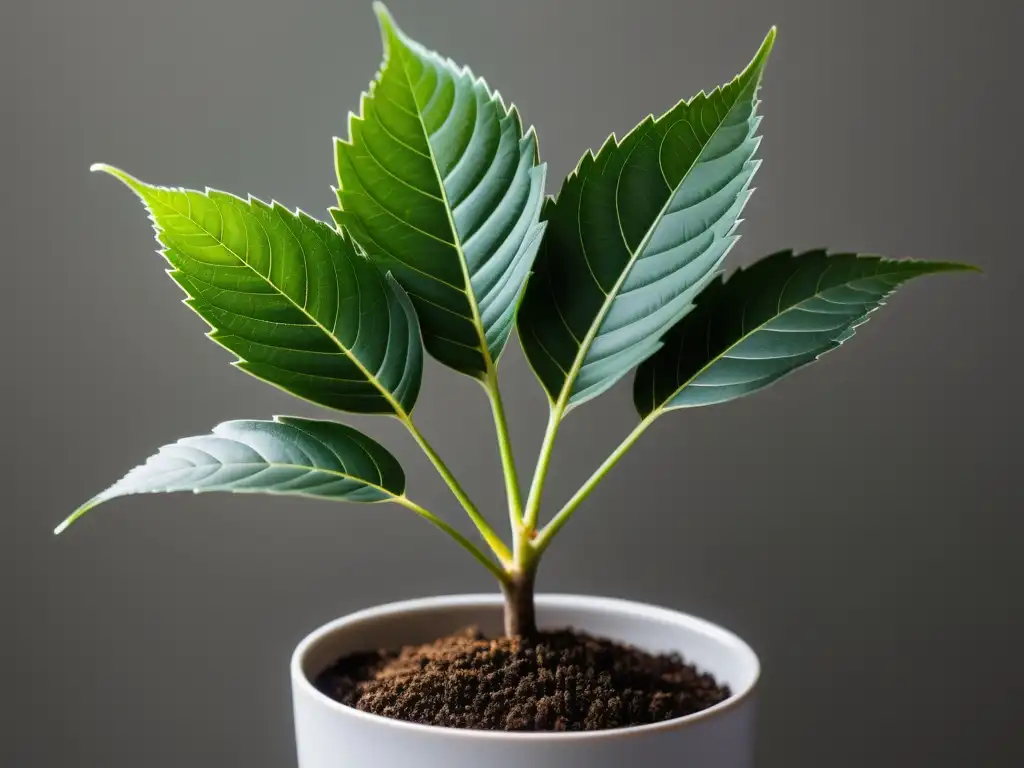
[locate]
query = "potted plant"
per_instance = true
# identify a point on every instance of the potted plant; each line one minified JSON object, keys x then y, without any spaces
{"x":443,"y":241}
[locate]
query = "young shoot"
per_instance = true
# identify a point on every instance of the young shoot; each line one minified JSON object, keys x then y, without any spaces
{"x":441,"y":218}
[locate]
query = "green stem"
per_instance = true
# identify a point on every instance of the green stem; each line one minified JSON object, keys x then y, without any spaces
{"x":545,"y":536}
{"x":508,"y":461}
{"x":461,"y":540}
{"x":493,"y":540}
{"x":541,"y":472}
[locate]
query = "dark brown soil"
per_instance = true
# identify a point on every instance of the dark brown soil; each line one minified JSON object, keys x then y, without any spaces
{"x":561,"y":681}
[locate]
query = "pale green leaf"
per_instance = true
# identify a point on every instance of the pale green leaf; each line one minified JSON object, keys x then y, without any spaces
{"x":287,"y":456}
{"x":441,"y":187}
{"x":292,"y":297}
{"x":635,"y":233}
{"x":767,"y":321}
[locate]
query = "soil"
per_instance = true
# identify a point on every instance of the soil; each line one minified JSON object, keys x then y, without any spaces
{"x":560,"y":681}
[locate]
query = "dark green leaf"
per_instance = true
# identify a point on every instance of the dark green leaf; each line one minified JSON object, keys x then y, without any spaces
{"x":291,"y":297}
{"x":440,"y":186}
{"x":766,"y":321}
{"x":635,"y":233}
{"x":286,"y":456}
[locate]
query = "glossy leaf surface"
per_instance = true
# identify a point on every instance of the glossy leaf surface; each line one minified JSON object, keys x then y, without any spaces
{"x":295,"y":300}
{"x":636,"y":232}
{"x":441,"y":187}
{"x":765,"y":322}
{"x":287,"y":456}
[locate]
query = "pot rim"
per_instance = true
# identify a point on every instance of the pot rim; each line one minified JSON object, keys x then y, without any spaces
{"x":737,"y":645}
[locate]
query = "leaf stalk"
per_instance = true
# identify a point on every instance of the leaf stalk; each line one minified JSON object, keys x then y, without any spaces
{"x":508,"y":461}
{"x":543,"y":461}
{"x":488,"y":534}
{"x":544,"y":538}
{"x":497,"y":571}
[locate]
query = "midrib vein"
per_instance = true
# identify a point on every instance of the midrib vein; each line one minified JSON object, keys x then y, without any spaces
{"x":613,"y":294}
{"x":330,"y":334}
{"x":278,"y":465}
{"x":760,"y":327}
{"x":456,"y":238}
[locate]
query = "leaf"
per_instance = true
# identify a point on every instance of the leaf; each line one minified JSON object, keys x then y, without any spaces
{"x":440,"y":186}
{"x":635,"y":233}
{"x":766,"y":321}
{"x":286,"y":456}
{"x":291,"y":297}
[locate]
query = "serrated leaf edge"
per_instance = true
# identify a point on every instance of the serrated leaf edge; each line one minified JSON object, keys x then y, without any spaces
{"x":106,"y":495}
{"x":844,"y":336}
{"x":137,"y":186}
{"x":388,"y":25}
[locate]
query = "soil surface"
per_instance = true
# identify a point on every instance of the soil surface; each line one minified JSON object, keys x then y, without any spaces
{"x":560,"y":681}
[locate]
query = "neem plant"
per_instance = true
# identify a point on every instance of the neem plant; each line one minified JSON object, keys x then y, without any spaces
{"x":443,"y":240}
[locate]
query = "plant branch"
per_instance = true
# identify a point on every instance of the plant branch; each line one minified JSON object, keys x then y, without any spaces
{"x":545,"y":536}
{"x":493,"y":540}
{"x":508,"y":461}
{"x":461,"y":540}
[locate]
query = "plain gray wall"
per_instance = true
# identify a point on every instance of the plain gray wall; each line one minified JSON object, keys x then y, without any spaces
{"x":860,"y":523}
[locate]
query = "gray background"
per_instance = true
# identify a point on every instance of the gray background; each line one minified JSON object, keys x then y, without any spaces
{"x":859,"y":524}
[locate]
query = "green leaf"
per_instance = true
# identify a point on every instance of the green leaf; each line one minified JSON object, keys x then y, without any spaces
{"x":291,"y":297}
{"x":286,"y":456}
{"x":440,"y":186}
{"x":766,"y":321}
{"x":635,"y":233}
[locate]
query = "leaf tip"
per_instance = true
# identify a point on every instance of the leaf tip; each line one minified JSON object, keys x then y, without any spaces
{"x":951,"y":266}
{"x":756,"y":66}
{"x":110,"y":170}
{"x":138,"y":187}
{"x":388,"y":27}
{"x":73,"y":517}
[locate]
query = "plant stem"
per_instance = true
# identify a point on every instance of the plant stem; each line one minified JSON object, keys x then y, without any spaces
{"x":540,"y":473}
{"x":508,"y":461}
{"x":545,"y":536}
{"x":490,"y":565}
{"x":493,"y":540}
{"x":520,"y":612}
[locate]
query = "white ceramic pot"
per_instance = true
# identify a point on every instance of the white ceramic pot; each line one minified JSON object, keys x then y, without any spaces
{"x":331,"y":735}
